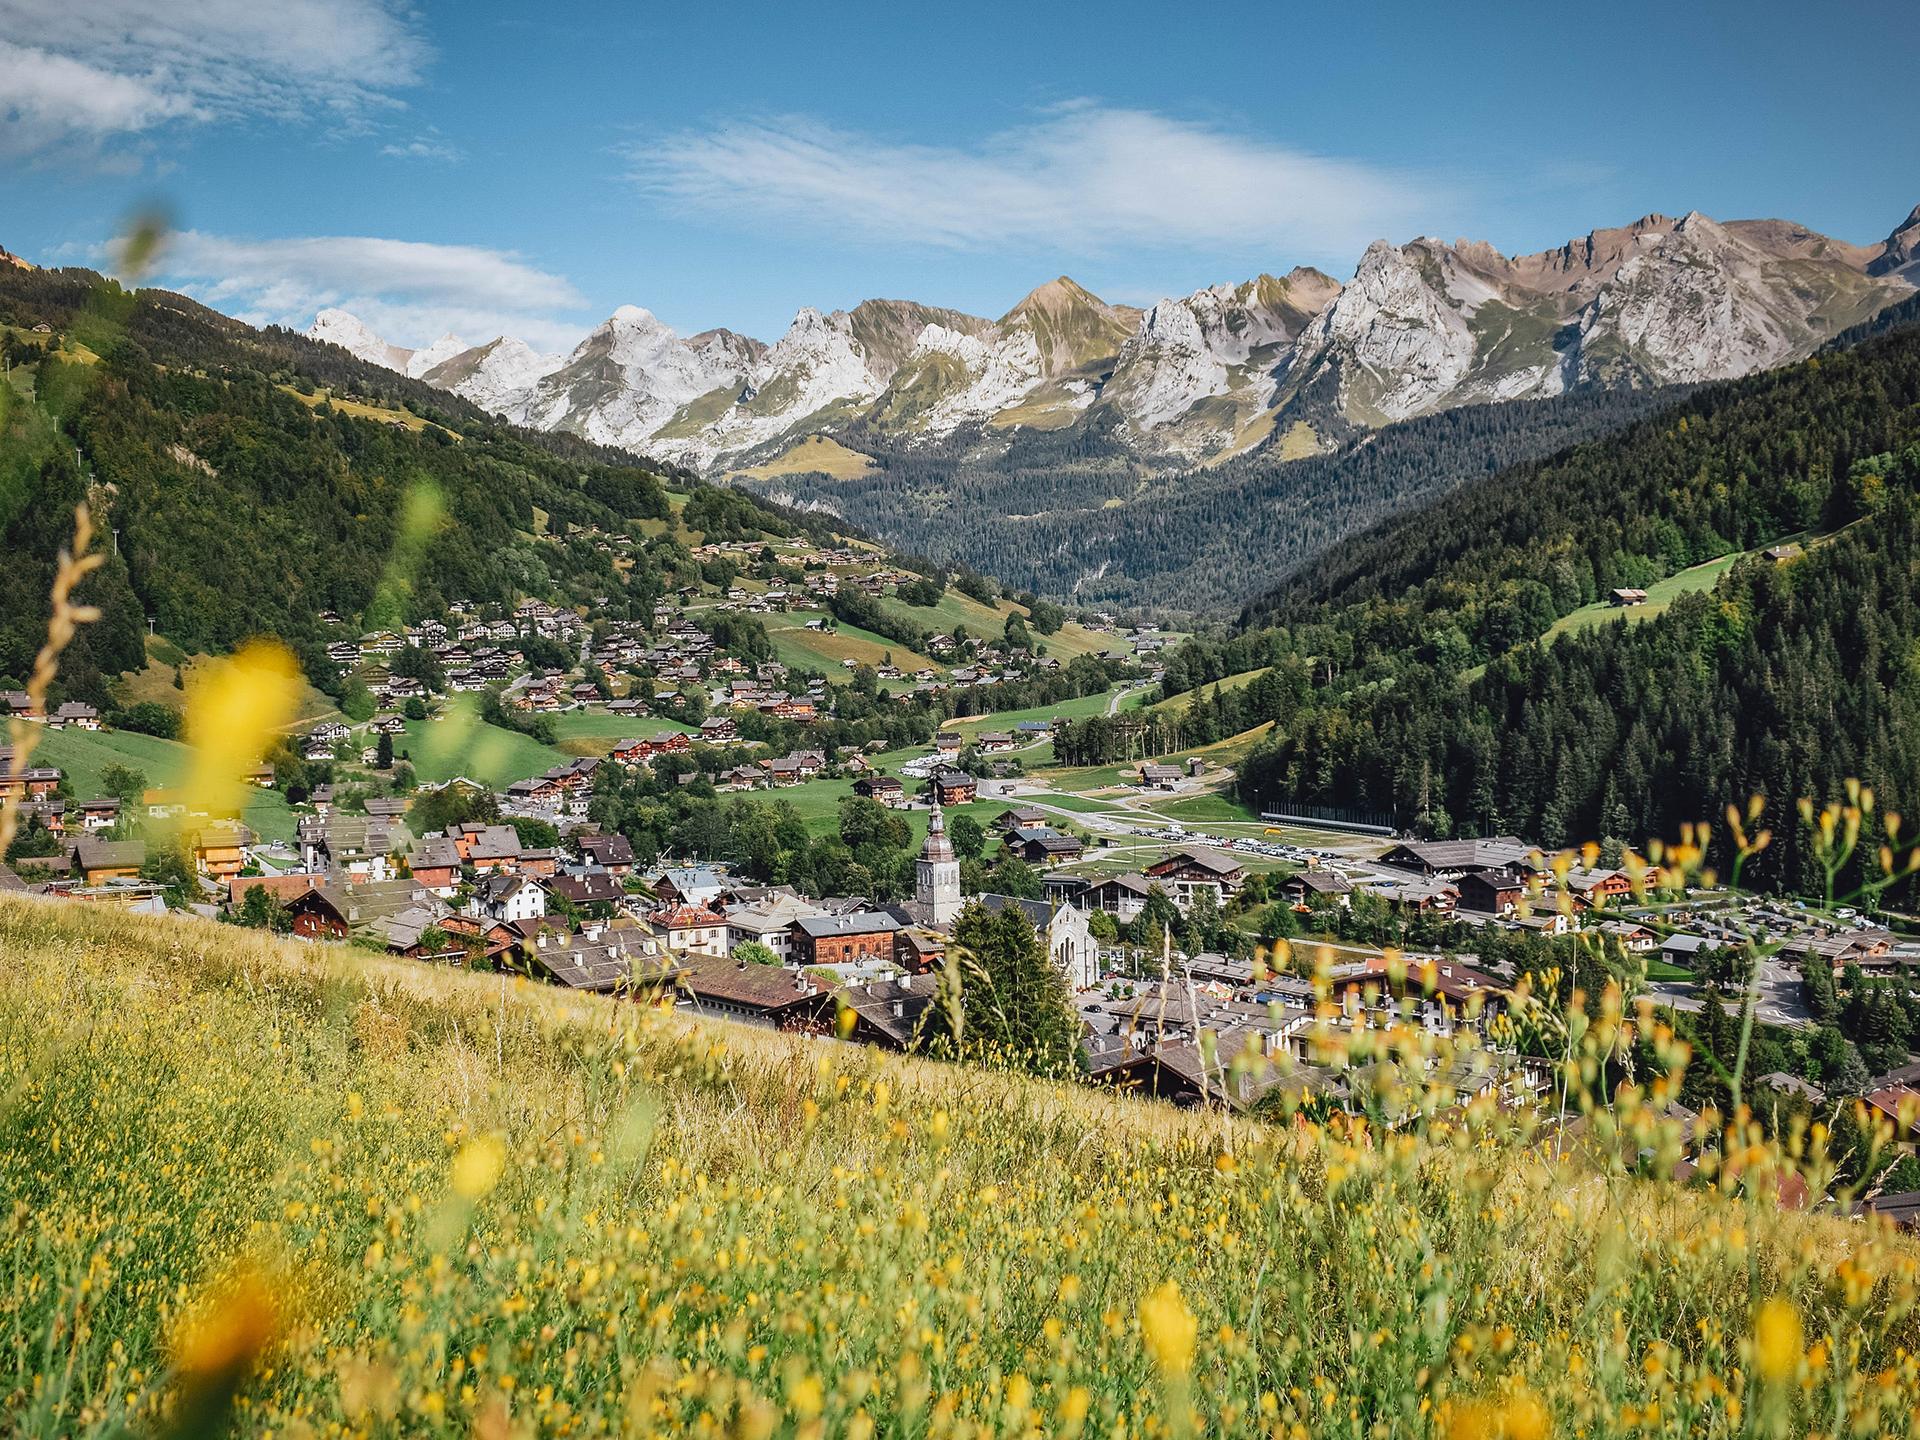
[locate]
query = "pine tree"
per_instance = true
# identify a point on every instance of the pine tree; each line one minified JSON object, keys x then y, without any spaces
{"x":1013,"y":1001}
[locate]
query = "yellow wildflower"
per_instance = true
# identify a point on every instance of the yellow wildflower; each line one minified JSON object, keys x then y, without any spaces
{"x":1169,"y":1329}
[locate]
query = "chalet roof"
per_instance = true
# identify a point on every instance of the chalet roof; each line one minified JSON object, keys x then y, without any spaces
{"x":1323,"y":882}
{"x":601,"y":959}
{"x":862,"y":922}
{"x":1471,"y":854}
{"x":893,"y":1007}
{"x":1200,"y":857}
{"x":1037,"y":911}
{"x":592,"y":888}
{"x":436,"y":852}
{"x":92,"y":854}
{"x":768,"y":988}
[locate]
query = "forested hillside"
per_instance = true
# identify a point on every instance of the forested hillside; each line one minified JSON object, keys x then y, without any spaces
{"x":1069,"y":514}
{"x":1415,"y":673}
{"x":244,"y":500}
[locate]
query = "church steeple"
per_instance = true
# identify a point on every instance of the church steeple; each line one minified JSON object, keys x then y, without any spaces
{"x":936,"y":881}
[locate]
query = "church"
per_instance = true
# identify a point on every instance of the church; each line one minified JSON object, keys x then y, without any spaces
{"x":937,"y":903}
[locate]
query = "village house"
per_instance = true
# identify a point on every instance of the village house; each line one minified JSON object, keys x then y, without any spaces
{"x":1121,"y":896}
{"x":507,"y":900}
{"x":884,"y":790}
{"x":949,"y":787}
{"x":1042,"y":845}
{"x":434,"y":864}
{"x":95,"y":862}
{"x":765,"y":995}
{"x":1159,"y":777}
{"x":1185,"y":873}
{"x":691,"y":928}
{"x":1317,"y":889}
{"x":220,"y":850}
{"x":769,"y":922}
{"x":601,"y":959}
{"x":612,"y":853}
{"x":842,"y":939}
{"x":1491,"y":892}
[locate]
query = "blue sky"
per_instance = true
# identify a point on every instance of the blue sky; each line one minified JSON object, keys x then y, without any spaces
{"x":526,"y":168}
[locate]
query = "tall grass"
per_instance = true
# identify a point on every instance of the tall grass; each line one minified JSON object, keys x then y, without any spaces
{"x":372,"y":1198}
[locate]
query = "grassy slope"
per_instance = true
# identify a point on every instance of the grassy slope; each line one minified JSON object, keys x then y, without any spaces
{"x":816,"y":454}
{"x":85,"y":756}
{"x":667,"y":1220}
{"x":796,"y":646}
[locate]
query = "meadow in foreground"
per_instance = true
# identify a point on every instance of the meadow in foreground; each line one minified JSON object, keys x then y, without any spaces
{"x":310,"y":1192}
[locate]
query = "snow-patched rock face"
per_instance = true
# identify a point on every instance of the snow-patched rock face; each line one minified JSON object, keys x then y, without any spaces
{"x":496,"y":376}
{"x":1420,"y":326}
{"x":1223,"y":342}
{"x":1402,"y":343}
{"x":352,"y":334}
{"x":1692,"y":304}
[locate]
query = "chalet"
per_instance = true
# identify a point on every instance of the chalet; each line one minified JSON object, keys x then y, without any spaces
{"x":592,"y":888}
{"x":434,"y":864}
{"x":689,"y":884}
{"x":1159,"y":777}
{"x":1016,"y":818}
{"x":507,"y":900}
{"x":98,"y":861}
{"x":1634,"y":939}
{"x":612,"y":853}
{"x":75,"y":716}
{"x":1121,"y":896}
{"x":101,"y":813}
{"x":842,"y":939}
{"x":1782,"y":554}
{"x":220,"y":850}
{"x":1628,"y":596}
{"x":948,"y":743}
{"x":600,"y":959}
{"x":886,"y":790}
{"x":948,"y":786}
{"x":1491,"y":892}
{"x":1683,"y":950}
{"x":992,"y":741}
{"x":1185,"y":873}
{"x":315,"y":915}
{"x":1599,"y":887}
{"x":1317,"y":888}
{"x":693,"y":928}
{"x":719,"y":730}
{"x":765,"y":995}
{"x":890,"y":1014}
{"x":1042,"y":845}
{"x":1451,"y":859}
{"x":741,"y":777}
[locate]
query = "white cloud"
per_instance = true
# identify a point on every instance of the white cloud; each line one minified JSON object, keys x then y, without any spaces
{"x":81,"y":72}
{"x":429,"y":146}
{"x":1083,"y":177}
{"x":409,"y":291}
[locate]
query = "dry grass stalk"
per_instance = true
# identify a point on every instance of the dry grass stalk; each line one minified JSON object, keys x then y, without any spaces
{"x":76,"y":564}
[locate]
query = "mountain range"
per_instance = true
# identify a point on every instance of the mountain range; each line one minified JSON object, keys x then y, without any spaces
{"x":1300,"y":362}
